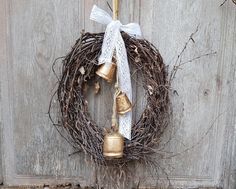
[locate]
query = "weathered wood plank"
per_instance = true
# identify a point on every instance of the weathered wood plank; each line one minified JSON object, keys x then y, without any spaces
{"x":202,"y":86}
{"x":74,"y":187}
{"x":36,"y":32}
{"x":39,"y":32}
{"x":229,"y":56}
{"x":3,"y":58}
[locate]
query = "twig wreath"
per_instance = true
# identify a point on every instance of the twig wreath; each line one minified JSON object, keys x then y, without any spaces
{"x":80,"y":66}
{"x":75,"y":118}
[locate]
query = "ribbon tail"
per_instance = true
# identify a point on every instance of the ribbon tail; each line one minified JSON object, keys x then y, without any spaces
{"x":100,"y":16}
{"x":125,"y":125}
{"x":132,"y":29}
{"x":125,"y":121}
{"x":109,"y":43}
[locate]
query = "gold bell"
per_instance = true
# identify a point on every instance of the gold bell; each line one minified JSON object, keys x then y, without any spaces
{"x":113,"y":145}
{"x":123,"y":105}
{"x":107,"y":71}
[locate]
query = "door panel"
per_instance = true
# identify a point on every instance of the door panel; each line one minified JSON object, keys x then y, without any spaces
{"x":36,"y":32}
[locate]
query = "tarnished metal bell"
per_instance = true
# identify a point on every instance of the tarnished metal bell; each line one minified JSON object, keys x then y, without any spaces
{"x":113,"y":145}
{"x":123,"y":104}
{"x":107,"y":71}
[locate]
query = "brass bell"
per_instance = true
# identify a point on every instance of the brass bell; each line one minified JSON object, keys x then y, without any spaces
{"x":107,"y":71}
{"x":113,"y":145}
{"x":123,"y":104}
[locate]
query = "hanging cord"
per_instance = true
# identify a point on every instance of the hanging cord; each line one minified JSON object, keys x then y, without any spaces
{"x":114,"y":120}
{"x":114,"y":114}
{"x":115,"y":6}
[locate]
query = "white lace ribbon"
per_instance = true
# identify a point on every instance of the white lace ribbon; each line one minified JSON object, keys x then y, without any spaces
{"x":114,"y":41}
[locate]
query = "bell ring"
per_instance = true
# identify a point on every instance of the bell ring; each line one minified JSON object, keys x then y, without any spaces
{"x":123,"y":104}
{"x":113,"y":145}
{"x":107,"y":71}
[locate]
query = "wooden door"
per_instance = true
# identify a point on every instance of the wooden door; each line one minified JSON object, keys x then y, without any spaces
{"x":34,"y":33}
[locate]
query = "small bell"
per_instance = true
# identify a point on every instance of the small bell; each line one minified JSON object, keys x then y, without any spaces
{"x":113,"y":145}
{"x":107,"y":71}
{"x":123,"y":104}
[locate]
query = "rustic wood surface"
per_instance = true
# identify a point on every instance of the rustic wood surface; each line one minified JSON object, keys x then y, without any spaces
{"x":34,"y":33}
{"x":71,"y":187}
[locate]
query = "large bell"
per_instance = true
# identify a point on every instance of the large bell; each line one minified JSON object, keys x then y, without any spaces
{"x":113,"y":145}
{"x":107,"y":71}
{"x":123,"y":104}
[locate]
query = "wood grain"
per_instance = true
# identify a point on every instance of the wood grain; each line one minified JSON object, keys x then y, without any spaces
{"x":34,"y":33}
{"x":3,"y":58}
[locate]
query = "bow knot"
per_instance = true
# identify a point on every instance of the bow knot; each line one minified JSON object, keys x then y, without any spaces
{"x":102,"y":17}
{"x":113,"y":41}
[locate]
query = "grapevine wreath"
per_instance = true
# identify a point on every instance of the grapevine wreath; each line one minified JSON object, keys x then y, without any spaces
{"x":79,"y":67}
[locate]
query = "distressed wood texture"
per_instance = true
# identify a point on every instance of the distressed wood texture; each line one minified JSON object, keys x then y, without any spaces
{"x":34,"y":33}
{"x":3,"y":58}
